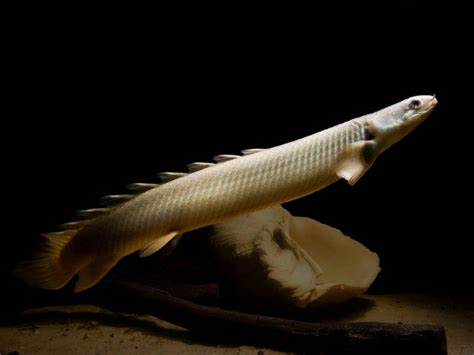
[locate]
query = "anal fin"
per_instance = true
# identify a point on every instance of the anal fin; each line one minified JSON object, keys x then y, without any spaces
{"x":157,"y":244}
{"x":357,"y":160}
{"x":93,"y":273}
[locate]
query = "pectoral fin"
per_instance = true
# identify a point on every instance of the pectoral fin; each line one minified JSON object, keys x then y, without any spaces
{"x":357,"y":160}
{"x":157,"y":244}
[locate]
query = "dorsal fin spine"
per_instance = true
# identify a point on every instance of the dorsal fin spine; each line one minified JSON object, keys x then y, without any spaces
{"x":169,"y":176}
{"x":252,"y":151}
{"x":199,"y":166}
{"x":139,"y":187}
{"x":74,"y":224}
{"x":221,"y":158}
{"x":92,"y":212}
{"x":114,"y":199}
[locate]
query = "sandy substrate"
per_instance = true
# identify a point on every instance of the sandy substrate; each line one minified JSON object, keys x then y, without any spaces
{"x":150,"y":335}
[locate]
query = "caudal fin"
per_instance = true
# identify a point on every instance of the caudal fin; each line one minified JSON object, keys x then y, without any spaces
{"x":45,"y":269}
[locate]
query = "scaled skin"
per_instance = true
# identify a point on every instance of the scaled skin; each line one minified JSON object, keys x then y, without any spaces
{"x":221,"y":192}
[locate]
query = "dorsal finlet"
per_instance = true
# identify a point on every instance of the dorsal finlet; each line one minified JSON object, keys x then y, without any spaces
{"x":74,"y":224}
{"x":92,"y":212}
{"x":199,"y":166}
{"x":139,"y":187}
{"x":252,"y":151}
{"x":221,"y":158}
{"x":169,"y":176}
{"x":110,"y":200}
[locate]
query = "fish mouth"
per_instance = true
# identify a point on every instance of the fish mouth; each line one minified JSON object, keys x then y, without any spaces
{"x":430,"y":105}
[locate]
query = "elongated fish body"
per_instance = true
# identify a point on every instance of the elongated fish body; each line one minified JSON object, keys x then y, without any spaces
{"x":228,"y":189}
{"x":219,"y":192}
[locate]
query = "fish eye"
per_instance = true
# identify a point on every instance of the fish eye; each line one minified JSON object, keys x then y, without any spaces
{"x":414,"y":104}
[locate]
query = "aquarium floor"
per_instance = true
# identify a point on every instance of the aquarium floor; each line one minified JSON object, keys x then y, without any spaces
{"x":71,"y":336}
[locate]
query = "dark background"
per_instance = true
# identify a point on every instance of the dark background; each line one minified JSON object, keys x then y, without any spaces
{"x":100,"y":98}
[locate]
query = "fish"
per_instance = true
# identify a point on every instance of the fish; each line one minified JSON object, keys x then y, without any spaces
{"x":212,"y":193}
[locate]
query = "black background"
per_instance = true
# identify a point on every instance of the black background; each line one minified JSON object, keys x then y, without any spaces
{"x":103,"y":97}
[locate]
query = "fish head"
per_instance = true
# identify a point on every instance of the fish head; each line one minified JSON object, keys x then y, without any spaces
{"x":390,"y":125}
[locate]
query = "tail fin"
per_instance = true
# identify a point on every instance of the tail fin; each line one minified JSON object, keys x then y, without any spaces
{"x":45,"y":270}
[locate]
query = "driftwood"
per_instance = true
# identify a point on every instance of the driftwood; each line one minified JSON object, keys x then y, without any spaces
{"x":217,"y":325}
{"x":291,"y":335}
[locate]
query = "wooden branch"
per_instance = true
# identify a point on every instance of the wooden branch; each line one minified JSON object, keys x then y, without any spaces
{"x":291,"y":335}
